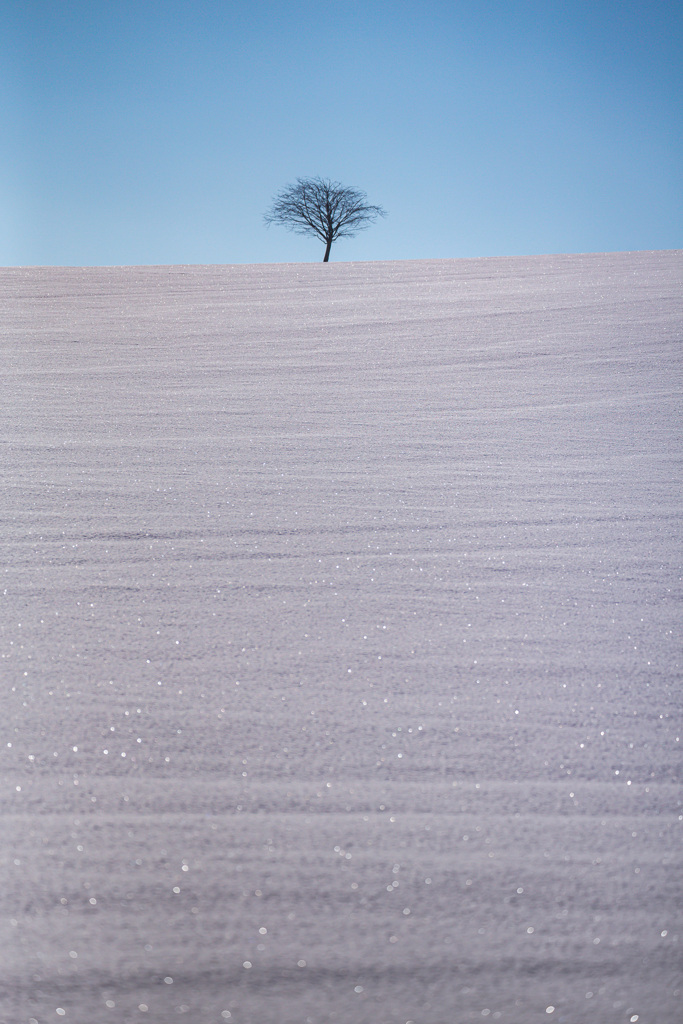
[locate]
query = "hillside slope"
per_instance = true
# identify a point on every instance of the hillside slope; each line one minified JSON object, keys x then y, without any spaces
{"x":341,"y":642}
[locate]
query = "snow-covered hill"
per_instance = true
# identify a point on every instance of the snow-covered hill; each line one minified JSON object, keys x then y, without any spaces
{"x":341,"y":642}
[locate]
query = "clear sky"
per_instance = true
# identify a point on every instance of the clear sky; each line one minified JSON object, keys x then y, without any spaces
{"x":136,"y":131}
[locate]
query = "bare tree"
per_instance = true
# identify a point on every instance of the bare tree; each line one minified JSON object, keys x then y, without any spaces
{"x":324,"y":208}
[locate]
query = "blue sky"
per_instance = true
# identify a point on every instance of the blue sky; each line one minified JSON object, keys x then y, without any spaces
{"x":139,"y":132}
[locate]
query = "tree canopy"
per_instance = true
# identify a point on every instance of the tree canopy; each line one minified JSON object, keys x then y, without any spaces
{"x":323,"y":208}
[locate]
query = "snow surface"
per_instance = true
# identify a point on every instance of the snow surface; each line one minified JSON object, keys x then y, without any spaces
{"x":341,"y":642}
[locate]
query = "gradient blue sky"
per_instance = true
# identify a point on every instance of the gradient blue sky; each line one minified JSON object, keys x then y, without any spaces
{"x":141,"y":132}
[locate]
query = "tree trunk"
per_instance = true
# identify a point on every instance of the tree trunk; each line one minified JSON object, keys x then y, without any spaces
{"x":326,"y":257}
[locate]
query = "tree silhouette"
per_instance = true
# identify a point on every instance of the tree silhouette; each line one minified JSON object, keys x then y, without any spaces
{"x":324,"y":208}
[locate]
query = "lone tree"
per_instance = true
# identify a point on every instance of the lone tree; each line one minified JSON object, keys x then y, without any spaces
{"x":324,"y":208}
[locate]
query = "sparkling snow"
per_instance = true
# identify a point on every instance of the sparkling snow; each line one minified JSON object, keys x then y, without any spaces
{"x":341,"y":642}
